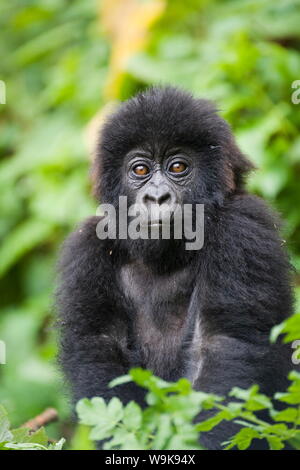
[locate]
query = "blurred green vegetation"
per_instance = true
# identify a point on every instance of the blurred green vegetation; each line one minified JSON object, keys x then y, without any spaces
{"x":62,"y":62}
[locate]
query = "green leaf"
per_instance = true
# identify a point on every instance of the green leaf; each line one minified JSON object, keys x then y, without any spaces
{"x":57,"y":445}
{"x":289,"y":414}
{"x":132,"y":416}
{"x":275,"y":442}
{"x":23,"y":435}
{"x":164,"y":432}
{"x":141,"y":376}
{"x":115,"y":409}
{"x":295,"y":441}
{"x":102,"y":431}
{"x":5,"y":434}
{"x":244,"y":438}
{"x":210,"y":423}
{"x":91,"y":411}
{"x":120,"y":381}
{"x":276,"y":331}
{"x":293,"y":398}
{"x":279,"y":429}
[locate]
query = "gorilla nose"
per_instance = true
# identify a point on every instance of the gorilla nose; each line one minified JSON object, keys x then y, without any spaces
{"x":157,"y":196}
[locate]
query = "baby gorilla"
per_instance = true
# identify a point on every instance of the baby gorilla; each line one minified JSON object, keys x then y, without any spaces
{"x":204,"y":314}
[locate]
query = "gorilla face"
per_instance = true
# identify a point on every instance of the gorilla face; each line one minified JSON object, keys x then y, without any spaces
{"x":158,"y":182}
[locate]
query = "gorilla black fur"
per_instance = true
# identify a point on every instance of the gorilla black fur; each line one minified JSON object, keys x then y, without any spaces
{"x":204,"y":314}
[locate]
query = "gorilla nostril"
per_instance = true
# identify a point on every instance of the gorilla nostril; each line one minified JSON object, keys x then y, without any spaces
{"x":164,"y":198}
{"x":148,"y":199}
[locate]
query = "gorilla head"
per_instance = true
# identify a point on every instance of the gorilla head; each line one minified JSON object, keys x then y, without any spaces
{"x":166,"y":147}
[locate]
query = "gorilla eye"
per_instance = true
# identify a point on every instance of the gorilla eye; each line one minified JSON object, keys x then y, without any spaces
{"x":141,"y":170}
{"x":178,"y":167}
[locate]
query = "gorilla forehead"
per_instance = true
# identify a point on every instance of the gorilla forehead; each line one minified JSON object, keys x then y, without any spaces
{"x":162,"y":117}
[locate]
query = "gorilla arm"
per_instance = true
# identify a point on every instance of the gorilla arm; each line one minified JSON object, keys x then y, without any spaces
{"x":93,"y":325}
{"x":247,"y":292}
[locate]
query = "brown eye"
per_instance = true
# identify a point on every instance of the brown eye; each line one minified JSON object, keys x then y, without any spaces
{"x":141,"y":170}
{"x":178,"y":167}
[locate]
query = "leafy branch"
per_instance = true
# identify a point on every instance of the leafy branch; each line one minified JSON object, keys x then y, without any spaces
{"x":168,"y":421}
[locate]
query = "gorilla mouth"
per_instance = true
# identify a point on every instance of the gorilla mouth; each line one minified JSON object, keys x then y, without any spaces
{"x":161,"y":216}
{"x":161,"y":221}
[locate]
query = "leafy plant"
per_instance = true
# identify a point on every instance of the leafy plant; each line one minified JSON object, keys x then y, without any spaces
{"x":290,"y":329}
{"x":168,"y":420}
{"x":23,"y":438}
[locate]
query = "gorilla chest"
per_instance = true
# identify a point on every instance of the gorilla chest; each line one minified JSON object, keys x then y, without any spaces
{"x":161,"y":320}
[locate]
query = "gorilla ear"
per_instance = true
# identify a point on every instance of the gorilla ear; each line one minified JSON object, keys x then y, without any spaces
{"x":236,"y":166}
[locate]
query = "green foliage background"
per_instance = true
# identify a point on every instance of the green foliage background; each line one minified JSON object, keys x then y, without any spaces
{"x":60,"y":61}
